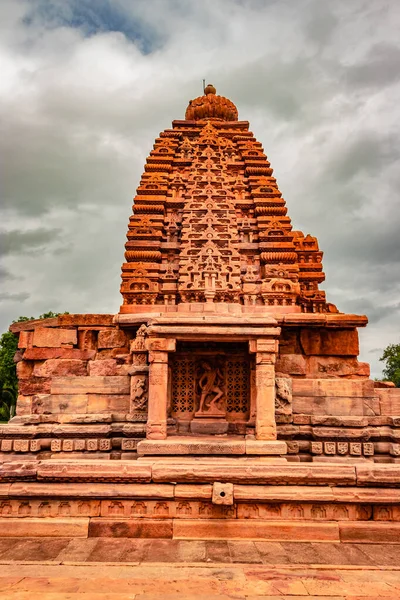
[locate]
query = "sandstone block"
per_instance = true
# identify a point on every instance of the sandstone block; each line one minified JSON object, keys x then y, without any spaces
{"x":327,"y":433}
{"x":134,"y":429}
{"x":93,"y":490}
{"x":334,"y":388}
{"x":369,"y":532}
{"x":87,"y":338}
{"x":6,"y":445}
{"x":209,"y":426}
{"x":371,"y":406}
{"x":25,"y":339}
{"x":265,"y":447}
{"x":394,"y":449}
{"x":184,"y":445}
{"x":329,"y":342}
{"x":339,"y":421}
{"x":378,"y":475}
{"x":366,"y":495}
{"x":324,"y":405}
{"x":24,"y":405}
{"x":68,"y":430}
{"x":59,"y":403}
{"x":326,"y":366}
{"x":34,"y":385}
{"x":86,"y":320}
{"x":131,"y":528}
{"x":113,"y":338}
{"x":51,"y":337}
{"x":283,"y":493}
{"x":52,"y":353}
{"x":21,"y":445}
{"x":39,"y":527}
{"x":160,"y":344}
{"x":120,"y":353}
{"x":101,"y":403}
{"x":255,"y":473}
{"x":24,"y":369}
{"x":91,"y":385}
{"x":18,"y":470}
{"x":129,"y":445}
{"x":108,"y":367}
{"x":83,"y":418}
{"x":389,"y":399}
{"x":98,"y":470}
{"x":222,"y":493}
{"x":60,"y":368}
{"x":291,"y":364}
{"x":384,"y":384}
{"x":203,"y":492}
{"x":277,"y":531}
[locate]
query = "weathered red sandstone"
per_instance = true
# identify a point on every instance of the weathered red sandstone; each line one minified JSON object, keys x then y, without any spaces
{"x":225,"y":399}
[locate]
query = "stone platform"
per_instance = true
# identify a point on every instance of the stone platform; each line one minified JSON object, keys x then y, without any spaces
{"x":196,"y":498}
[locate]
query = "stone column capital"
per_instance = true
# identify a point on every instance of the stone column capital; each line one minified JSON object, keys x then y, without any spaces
{"x":160,"y":344}
{"x":263,"y":345}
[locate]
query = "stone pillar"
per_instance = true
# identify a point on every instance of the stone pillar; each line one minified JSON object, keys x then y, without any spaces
{"x":264,"y":392}
{"x":139,"y":377}
{"x":158,"y":387}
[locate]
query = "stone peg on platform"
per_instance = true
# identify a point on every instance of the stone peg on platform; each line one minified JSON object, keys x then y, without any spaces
{"x":222,"y":493}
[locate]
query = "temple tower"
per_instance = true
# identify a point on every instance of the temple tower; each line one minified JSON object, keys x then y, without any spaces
{"x":209,"y":223}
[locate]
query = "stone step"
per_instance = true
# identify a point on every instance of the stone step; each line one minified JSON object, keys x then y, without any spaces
{"x":211,"y":445}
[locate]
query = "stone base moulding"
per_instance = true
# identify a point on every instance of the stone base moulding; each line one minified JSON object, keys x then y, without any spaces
{"x":234,"y":498}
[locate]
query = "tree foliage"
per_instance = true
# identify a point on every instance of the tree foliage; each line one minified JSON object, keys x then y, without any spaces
{"x":8,"y":371}
{"x":391,"y":356}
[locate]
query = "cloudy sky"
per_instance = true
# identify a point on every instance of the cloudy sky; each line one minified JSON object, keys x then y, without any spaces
{"x":86,"y":86}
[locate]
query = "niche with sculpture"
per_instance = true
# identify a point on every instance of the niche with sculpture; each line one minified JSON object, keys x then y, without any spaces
{"x":210,"y":380}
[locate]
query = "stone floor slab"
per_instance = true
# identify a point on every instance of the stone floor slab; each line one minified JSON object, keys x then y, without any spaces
{"x":217,"y":551}
{"x":180,"y":581}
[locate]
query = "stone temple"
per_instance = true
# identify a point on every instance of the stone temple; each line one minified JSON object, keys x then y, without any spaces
{"x":225,"y":399}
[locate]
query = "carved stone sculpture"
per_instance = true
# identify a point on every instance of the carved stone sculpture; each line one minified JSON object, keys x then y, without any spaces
{"x":210,"y":382}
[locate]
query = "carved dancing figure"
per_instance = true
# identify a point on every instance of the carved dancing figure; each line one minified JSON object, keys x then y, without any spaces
{"x":208,"y":384}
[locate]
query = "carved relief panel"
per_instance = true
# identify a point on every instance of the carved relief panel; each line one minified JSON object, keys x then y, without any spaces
{"x":210,"y":380}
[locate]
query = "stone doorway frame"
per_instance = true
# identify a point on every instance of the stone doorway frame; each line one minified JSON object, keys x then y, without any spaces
{"x":262,"y":336}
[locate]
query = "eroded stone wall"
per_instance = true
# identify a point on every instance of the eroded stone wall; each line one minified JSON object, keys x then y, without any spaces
{"x":83,"y":390}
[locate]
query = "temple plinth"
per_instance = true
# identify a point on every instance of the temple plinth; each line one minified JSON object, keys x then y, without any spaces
{"x":225,"y":388}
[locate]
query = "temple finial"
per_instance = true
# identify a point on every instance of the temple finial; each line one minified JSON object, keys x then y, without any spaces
{"x":210,"y":89}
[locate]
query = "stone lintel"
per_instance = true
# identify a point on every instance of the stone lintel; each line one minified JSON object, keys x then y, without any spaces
{"x":338,"y":320}
{"x":207,"y":332}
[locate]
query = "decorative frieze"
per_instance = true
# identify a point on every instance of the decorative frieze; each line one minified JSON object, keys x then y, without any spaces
{"x":190,"y":509}
{"x":342,"y":448}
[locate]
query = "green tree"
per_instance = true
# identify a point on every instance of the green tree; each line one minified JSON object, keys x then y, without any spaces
{"x":391,"y":356}
{"x":8,"y":371}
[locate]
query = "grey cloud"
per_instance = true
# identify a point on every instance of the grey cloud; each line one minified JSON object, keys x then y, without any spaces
{"x":5,"y":274}
{"x":19,"y":242}
{"x":369,"y":153}
{"x":380,"y":67}
{"x":19,"y":297}
{"x":321,"y":23}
